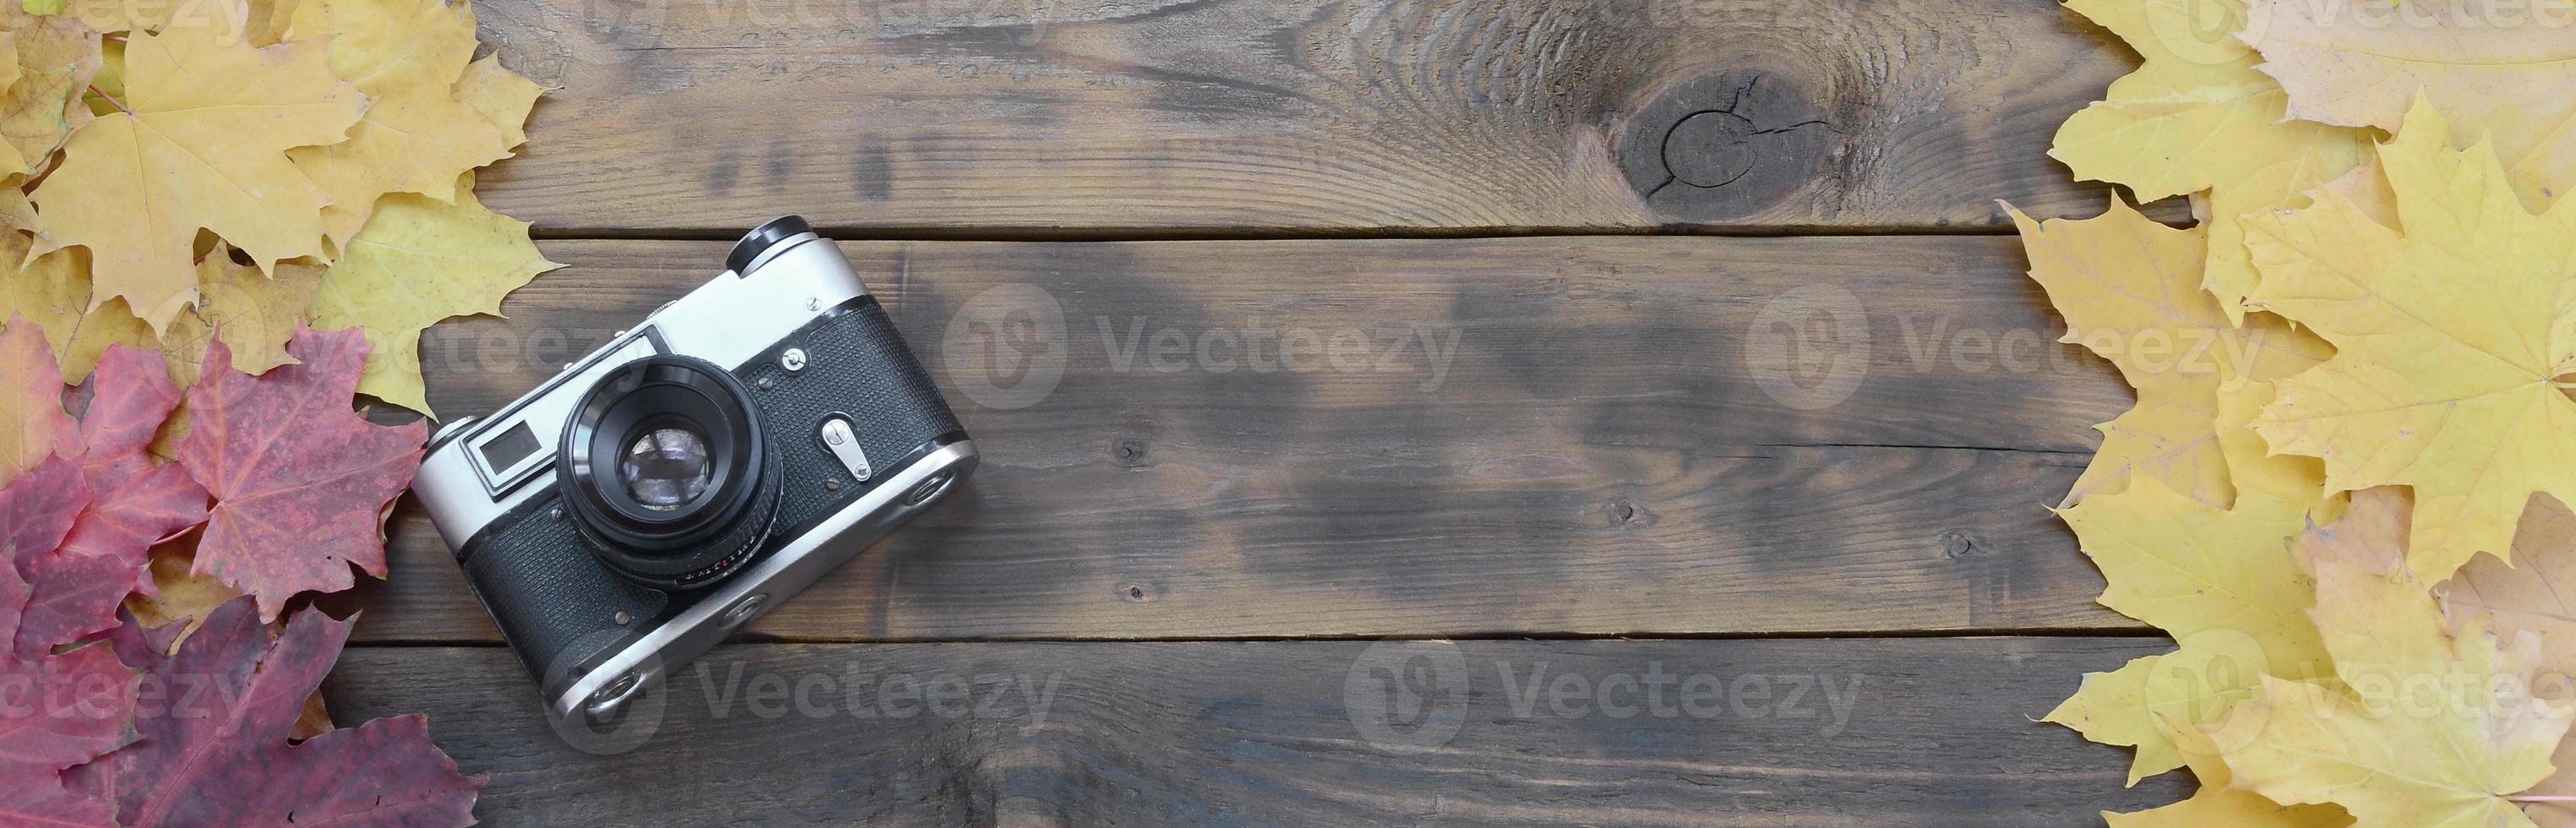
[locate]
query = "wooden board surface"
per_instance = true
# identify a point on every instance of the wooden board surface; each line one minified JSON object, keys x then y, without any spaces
{"x":1008,"y":118}
{"x":1626,"y":436}
{"x":1731,"y":448}
{"x":1790,"y":732}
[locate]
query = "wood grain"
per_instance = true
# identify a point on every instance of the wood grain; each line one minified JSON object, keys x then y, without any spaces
{"x":1019,"y":118}
{"x":1631,"y":436}
{"x":1884,"y":732}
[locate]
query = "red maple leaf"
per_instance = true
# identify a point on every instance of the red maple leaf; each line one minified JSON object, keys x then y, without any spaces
{"x":81,"y":522}
{"x":135,"y":501}
{"x":56,"y":711}
{"x":68,"y":596}
{"x":218,"y":755}
{"x":300,"y":480}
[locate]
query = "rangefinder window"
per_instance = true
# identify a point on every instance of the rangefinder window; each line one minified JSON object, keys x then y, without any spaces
{"x":511,"y":447}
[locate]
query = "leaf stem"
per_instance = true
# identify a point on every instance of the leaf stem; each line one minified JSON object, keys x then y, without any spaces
{"x":110,"y":99}
{"x":2539,"y":798}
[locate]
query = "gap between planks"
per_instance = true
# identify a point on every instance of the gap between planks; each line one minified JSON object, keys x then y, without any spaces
{"x":2169,"y":217}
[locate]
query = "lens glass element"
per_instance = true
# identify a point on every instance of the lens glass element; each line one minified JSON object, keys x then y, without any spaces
{"x":666,"y":468}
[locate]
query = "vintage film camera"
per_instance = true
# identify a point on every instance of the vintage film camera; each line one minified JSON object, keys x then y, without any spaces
{"x":740,"y":442}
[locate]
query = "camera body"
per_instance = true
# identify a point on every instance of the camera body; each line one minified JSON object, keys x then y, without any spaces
{"x":708,"y":463}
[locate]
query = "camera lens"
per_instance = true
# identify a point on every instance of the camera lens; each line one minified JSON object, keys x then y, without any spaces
{"x":665,"y":468}
{"x":666,"y":472}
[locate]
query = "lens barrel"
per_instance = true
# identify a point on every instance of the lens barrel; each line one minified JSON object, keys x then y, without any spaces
{"x":665,"y":471}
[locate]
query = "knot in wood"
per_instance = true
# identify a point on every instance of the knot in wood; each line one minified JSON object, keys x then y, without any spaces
{"x":1130,"y":453}
{"x":1710,"y":149}
{"x":1723,"y":145}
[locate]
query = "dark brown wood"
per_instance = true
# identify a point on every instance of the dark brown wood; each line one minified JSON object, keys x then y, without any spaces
{"x":1632,"y":436}
{"x":1788,"y":732}
{"x":1173,"y":117}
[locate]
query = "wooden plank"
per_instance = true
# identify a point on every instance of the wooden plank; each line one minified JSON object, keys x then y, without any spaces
{"x":1632,"y":435}
{"x":1013,"y":118}
{"x":1884,"y":732}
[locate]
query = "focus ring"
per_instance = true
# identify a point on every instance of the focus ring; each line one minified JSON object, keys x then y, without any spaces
{"x":652,"y":543}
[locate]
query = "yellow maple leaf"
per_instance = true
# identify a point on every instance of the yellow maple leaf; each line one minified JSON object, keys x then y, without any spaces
{"x":33,"y":424}
{"x":2196,"y":682}
{"x":407,"y":56}
{"x":2532,"y":597}
{"x":412,"y":142}
{"x":51,"y":292}
{"x":2196,"y":118}
{"x":227,"y":20}
{"x":2222,"y":583}
{"x":267,"y":21}
{"x":253,"y":313}
{"x":2288,"y":479}
{"x":180,"y":595}
{"x":2366,"y":189}
{"x":2449,"y":336}
{"x":2505,"y":69}
{"x":2219,"y":803}
{"x":2229,"y":273}
{"x":201,"y":145}
{"x":11,"y":68}
{"x":108,"y":86}
{"x":503,"y":96}
{"x":15,"y":209}
{"x":2129,"y":289}
{"x":386,"y":46}
{"x":419,"y":261}
{"x":2195,"y":114}
{"x":2427,"y":727}
{"x":55,"y":58}
{"x":102,"y":326}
